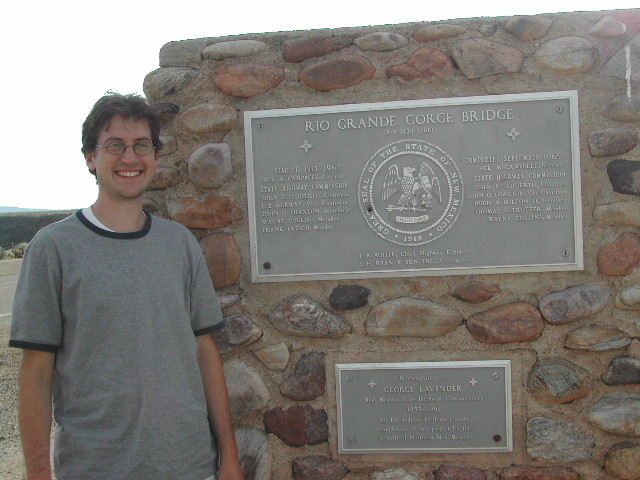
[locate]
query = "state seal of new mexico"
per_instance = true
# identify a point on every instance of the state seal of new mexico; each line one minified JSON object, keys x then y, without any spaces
{"x":410,"y":192}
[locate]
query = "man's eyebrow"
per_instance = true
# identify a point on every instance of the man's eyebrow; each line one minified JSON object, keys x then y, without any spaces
{"x":118,"y":139}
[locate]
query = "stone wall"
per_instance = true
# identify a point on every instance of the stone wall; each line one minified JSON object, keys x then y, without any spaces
{"x":572,"y":336}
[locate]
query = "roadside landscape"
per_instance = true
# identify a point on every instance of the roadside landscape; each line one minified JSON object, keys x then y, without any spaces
{"x":10,"y":455}
{"x":20,"y":227}
{"x":17,"y":229}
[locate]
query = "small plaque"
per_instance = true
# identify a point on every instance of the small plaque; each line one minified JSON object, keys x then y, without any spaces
{"x":425,"y":187}
{"x":446,"y":407}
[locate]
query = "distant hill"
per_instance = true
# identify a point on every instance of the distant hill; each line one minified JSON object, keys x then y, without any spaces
{"x":21,"y":226}
{"x":18,"y":209}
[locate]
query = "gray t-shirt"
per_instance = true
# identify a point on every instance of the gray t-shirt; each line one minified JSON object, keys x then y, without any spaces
{"x":121,"y":312}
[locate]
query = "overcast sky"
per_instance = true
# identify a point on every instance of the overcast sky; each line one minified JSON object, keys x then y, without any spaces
{"x":60,"y":57}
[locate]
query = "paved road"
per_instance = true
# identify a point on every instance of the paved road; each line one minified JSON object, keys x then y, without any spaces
{"x":9,"y":270}
{"x":10,"y":456}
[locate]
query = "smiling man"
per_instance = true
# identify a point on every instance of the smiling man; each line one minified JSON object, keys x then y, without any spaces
{"x":113,"y":311}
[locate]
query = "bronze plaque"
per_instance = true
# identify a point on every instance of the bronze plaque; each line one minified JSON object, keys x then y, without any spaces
{"x":426,"y":187}
{"x":424,"y":407}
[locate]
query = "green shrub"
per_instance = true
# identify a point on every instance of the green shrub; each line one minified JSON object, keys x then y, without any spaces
{"x":8,"y":255}
{"x":18,"y":250}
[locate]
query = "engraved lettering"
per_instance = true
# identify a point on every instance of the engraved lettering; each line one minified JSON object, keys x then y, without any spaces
{"x":487,"y":115}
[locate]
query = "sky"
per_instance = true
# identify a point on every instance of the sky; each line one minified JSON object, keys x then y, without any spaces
{"x":60,"y":57}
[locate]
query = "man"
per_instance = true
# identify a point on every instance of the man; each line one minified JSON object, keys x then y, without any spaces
{"x":113,"y":311}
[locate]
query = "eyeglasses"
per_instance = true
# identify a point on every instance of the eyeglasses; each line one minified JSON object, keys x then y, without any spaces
{"x":118,"y":148}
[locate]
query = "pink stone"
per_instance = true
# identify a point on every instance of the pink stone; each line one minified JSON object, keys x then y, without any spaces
{"x":403,"y":71}
{"x":512,"y":322}
{"x":238,"y":331}
{"x":557,"y":380}
{"x":475,"y":291}
{"x":424,"y":63}
{"x":623,"y":460}
{"x":597,"y":338}
{"x":623,"y":108}
{"x":299,"y":425}
{"x":567,"y":55}
{"x":316,"y":46}
{"x":339,"y":72}
{"x":621,"y":256}
{"x":381,"y":42}
{"x":618,"y":214}
{"x":478,"y":57}
{"x":223,"y":258}
{"x":247,"y":391}
{"x":210,"y":165}
{"x":165,"y":177}
{"x":303,"y":316}
{"x":308,"y":379}
{"x":318,"y":467}
{"x":213,"y":212}
{"x":573,"y":303}
{"x":182,"y":53}
{"x":459,"y":472}
{"x":608,"y":27}
{"x":528,"y":28}
{"x":431,"y":33}
{"x":248,"y":79}
{"x":232,"y":49}
{"x":210,"y":117}
{"x":612,"y":141}
{"x":412,"y":317}
{"x":167,"y":81}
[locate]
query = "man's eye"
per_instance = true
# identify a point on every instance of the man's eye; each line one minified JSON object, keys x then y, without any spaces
{"x":143,"y":148}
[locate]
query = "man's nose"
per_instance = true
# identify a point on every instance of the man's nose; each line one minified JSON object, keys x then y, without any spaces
{"x":129,"y":154}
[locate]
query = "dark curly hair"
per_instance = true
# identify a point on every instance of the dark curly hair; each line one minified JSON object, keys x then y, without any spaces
{"x":112,"y":104}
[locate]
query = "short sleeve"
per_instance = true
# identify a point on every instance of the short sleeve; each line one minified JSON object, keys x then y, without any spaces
{"x":36,"y":319}
{"x":206,"y":315}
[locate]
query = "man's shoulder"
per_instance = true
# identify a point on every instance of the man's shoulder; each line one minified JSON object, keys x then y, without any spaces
{"x":64,"y":227}
{"x":55,"y":240}
{"x":167,"y":225}
{"x":174,"y":232}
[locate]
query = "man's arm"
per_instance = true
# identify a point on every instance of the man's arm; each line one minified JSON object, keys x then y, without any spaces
{"x":215,"y":389}
{"x":35,"y":384}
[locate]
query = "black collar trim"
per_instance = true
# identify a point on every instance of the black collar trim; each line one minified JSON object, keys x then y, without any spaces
{"x":116,"y":235}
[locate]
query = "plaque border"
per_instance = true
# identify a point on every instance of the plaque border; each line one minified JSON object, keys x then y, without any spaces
{"x":504,"y":364}
{"x":578,"y":247}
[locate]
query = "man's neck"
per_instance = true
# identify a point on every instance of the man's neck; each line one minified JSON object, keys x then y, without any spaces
{"x":122,"y":217}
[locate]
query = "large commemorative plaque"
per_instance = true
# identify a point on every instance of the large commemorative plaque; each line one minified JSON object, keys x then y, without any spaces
{"x":424,"y":407}
{"x":426,"y":187}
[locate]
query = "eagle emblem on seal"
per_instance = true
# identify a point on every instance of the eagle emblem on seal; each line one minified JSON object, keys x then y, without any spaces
{"x":417,"y":192}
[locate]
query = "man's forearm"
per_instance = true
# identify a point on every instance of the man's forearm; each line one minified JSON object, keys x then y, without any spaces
{"x":34,"y":402}
{"x":218,"y":406}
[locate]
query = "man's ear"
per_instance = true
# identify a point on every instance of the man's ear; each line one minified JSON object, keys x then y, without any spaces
{"x":88,"y":157}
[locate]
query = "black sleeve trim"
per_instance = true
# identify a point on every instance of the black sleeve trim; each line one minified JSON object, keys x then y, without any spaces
{"x":211,"y":329}
{"x":33,"y":346}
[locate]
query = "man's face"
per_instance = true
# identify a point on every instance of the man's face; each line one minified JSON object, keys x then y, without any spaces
{"x":123,"y":176}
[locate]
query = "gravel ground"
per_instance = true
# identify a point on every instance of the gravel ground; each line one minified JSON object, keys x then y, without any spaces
{"x":10,"y":455}
{"x":11,"y":464}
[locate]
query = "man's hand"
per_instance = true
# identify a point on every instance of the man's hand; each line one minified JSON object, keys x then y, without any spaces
{"x":230,"y":470}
